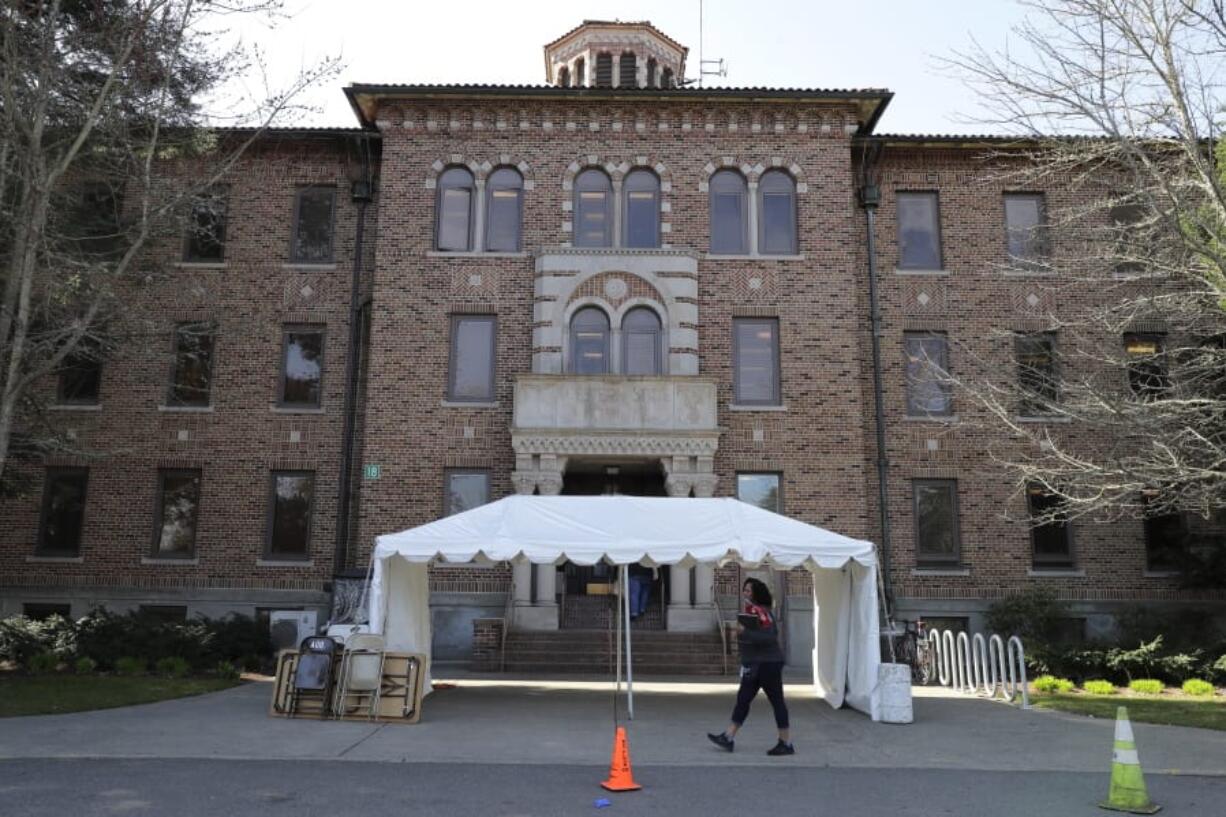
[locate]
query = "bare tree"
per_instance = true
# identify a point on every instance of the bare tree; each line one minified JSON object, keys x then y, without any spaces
{"x":1117,"y":102}
{"x":97,"y":99}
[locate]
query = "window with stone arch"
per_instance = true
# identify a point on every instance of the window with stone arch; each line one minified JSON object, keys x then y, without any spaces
{"x":580,"y":73}
{"x":593,"y":209}
{"x":651,"y":72}
{"x":504,"y":206}
{"x":454,"y":208}
{"x":777,"y":213}
{"x":627,"y":69}
{"x":589,"y":341}
{"x":641,"y":221}
{"x":642,"y":342}
{"x":564,"y":77}
{"x":729,"y":213}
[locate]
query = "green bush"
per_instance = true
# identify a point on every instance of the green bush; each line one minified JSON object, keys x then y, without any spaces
{"x":1146,"y":686}
{"x":1183,"y":629}
{"x":226,"y":670}
{"x":1195,"y":686}
{"x":23,"y":638}
{"x":1099,"y":687}
{"x":43,"y":663}
{"x":1034,"y":614}
{"x":84,"y":666}
{"x":173,"y":667}
{"x":1050,"y":683}
{"x":1217,"y":670}
{"x":201,"y":642}
{"x":130,"y":665}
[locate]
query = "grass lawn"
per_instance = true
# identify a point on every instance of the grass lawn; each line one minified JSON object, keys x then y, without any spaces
{"x":53,"y":694}
{"x":1167,"y":709}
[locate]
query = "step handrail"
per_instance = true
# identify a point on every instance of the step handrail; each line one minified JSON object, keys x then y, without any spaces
{"x":719,"y":624}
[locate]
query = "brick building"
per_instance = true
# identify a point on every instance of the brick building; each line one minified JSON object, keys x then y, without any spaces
{"x":605,"y":283}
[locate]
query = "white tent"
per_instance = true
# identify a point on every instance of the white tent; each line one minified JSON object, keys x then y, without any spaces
{"x":655,"y":531}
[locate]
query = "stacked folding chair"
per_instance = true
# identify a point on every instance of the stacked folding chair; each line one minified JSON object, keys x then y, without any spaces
{"x":361,"y":675}
{"x":313,"y":674}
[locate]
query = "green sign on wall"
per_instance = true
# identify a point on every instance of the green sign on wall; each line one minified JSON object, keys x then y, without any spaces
{"x":371,"y":471}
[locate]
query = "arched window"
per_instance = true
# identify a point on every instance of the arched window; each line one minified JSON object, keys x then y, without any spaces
{"x":651,"y":73}
{"x":604,"y":70}
{"x":666,"y":78}
{"x":589,"y":341}
{"x":642,"y":342}
{"x":627,"y":70}
{"x":729,"y":213}
{"x":504,"y":210}
{"x":777,"y":213}
{"x":580,"y":73}
{"x":454,"y":228}
{"x":564,"y":77}
{"x":593,"y":209}
{"x":642,"y":216}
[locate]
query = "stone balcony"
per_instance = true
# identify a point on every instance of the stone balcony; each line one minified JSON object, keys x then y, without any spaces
{"x":669,"y":418}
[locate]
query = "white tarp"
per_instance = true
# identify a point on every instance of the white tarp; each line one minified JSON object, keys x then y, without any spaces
{"x":655,"y":531}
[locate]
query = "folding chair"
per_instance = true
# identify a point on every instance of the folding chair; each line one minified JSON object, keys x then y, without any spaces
{"x":361,"y":675}
{"x":313,"y":675}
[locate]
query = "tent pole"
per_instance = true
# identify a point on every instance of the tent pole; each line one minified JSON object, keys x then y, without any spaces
{"x":617,"y":655}
{"x":629,"y":661}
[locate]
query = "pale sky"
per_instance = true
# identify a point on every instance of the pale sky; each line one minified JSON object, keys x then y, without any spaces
{"x":891,"y":44}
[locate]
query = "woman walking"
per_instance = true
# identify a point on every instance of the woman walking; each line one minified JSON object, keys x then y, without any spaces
{"x":761,"y":668}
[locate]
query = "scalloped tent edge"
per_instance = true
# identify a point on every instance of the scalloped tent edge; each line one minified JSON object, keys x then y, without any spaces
{"x":656,"y":531}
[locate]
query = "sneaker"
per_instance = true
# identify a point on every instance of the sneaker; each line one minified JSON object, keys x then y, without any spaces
{"x":781,"y":748}
{"x":722,"y":741}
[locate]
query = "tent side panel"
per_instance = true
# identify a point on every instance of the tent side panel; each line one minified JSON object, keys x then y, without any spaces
{"x":831,"y":612}
{"x":864,"y":643}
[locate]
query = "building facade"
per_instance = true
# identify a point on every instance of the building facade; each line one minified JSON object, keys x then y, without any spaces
{"x":609,"y":283}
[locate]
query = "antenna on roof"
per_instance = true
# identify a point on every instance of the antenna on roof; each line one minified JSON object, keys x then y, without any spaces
{"x":707,"y":68}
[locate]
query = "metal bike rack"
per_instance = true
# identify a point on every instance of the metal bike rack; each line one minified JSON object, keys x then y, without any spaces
{"x":979,"y":666}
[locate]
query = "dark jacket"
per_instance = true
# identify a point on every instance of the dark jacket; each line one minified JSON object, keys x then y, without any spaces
{"x":760,"y":646}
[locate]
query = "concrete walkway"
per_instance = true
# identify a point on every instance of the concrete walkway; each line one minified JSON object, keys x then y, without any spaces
{"x":491,"y":720}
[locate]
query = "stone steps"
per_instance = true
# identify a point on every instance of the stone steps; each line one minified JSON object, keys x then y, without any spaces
{"x":592,"y":651}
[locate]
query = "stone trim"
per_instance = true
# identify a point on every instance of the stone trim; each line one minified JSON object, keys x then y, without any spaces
{"x":612,"y":443}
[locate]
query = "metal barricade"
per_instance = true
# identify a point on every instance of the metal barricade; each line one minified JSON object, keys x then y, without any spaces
{"x":979,"y":666}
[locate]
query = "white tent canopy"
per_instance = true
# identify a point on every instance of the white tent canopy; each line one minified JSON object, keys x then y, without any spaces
{"x":655,"y":531}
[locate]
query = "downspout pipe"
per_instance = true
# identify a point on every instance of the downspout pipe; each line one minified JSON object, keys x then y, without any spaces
{"x":870,"y":198}
{"x":361,"y":192}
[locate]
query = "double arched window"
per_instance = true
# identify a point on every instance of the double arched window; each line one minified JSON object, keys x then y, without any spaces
{"x":642,"y":211}
{"x":593,"y":209}
{"x":504,"y":196}
{"x":454,"y":225}
{"x":591,"y":342}
{"x":455,"y":229}
{"x":773,"y":208}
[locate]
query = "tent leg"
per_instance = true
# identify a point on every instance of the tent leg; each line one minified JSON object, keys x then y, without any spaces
{"x":629,"y":661}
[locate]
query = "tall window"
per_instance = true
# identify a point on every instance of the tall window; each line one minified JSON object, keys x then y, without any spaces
{"x":192,"y":376}
{"x":1166,"y":542}
{"x":178,"y":507}
{"x":777,"y":221}
{"x":604,"y":70}
{"x":454,"y":230}
{"x":729,"y":213}
{"x":651,"y":72}
{"x":63,"y":512}
{"x":291,"y":494}
{"x":206,"y":229}
{"x":473,"y":352}
{"x":466,"y":490}
{"x":1036,"y":373}
{"x":80,"y":377}
{"x":1026,"y":228}
{"x":302,"y":366}
{"x":504,"y":192}
{"x":642,"y":193}
{"x":642,"y":344}
{"x":919,"y":231}
{"x":593,"y":209}
{"x":99,"y":224}
{"x":564,"y":77}
{"x":627,"y":70}
{"x":755,"y":351}
{"x":314,"y":213}
{"x":936,"y":522}
{"x":1050,"y":534}
{"x":762,"y":490}
{"x":589,"y":341}
{"x":666,"y":78}
{"x":1127,"y":221}
{"x":1147,"y":370}
{"x":580,"y":73}
{"x":928,"y":387}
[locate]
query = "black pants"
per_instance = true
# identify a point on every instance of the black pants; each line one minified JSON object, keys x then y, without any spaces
{"x":769,"y":679}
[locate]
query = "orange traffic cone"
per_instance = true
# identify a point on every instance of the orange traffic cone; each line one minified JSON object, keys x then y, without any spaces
{"x":620,"y":776}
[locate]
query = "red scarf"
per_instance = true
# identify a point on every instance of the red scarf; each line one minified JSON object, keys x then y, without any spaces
{"x":763,"y":614}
